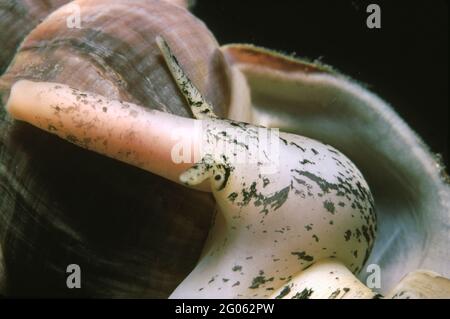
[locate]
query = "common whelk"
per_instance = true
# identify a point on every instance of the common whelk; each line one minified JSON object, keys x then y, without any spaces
{"x":88,"y":207}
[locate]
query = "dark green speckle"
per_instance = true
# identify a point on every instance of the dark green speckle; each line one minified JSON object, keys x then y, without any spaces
{"x":329,"y":206}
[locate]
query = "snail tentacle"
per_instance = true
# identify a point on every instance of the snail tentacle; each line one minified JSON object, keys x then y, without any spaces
{"x":201,"y":109}
{"x":198,"y":173}
{"x":207,"y":168}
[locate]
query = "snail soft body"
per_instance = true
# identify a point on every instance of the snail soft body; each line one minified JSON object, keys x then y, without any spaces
{"x":278,"y":212}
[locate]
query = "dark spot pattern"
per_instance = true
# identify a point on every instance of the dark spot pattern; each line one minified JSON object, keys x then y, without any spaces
{"x":284,"y":292}
{"x":260,"y":280}
{"x":302,"y":255}
{"x":304,"y":294}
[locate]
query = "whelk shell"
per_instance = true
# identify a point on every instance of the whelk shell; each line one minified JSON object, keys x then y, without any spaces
{"x":133,"y":234}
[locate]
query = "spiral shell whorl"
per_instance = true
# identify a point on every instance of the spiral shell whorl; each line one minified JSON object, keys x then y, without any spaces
{"x":115,"y":54}
{"x":17,"y":19}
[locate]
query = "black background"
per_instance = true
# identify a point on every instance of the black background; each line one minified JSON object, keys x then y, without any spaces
{"x":405,"y":62}
{"x":282,"y":308}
